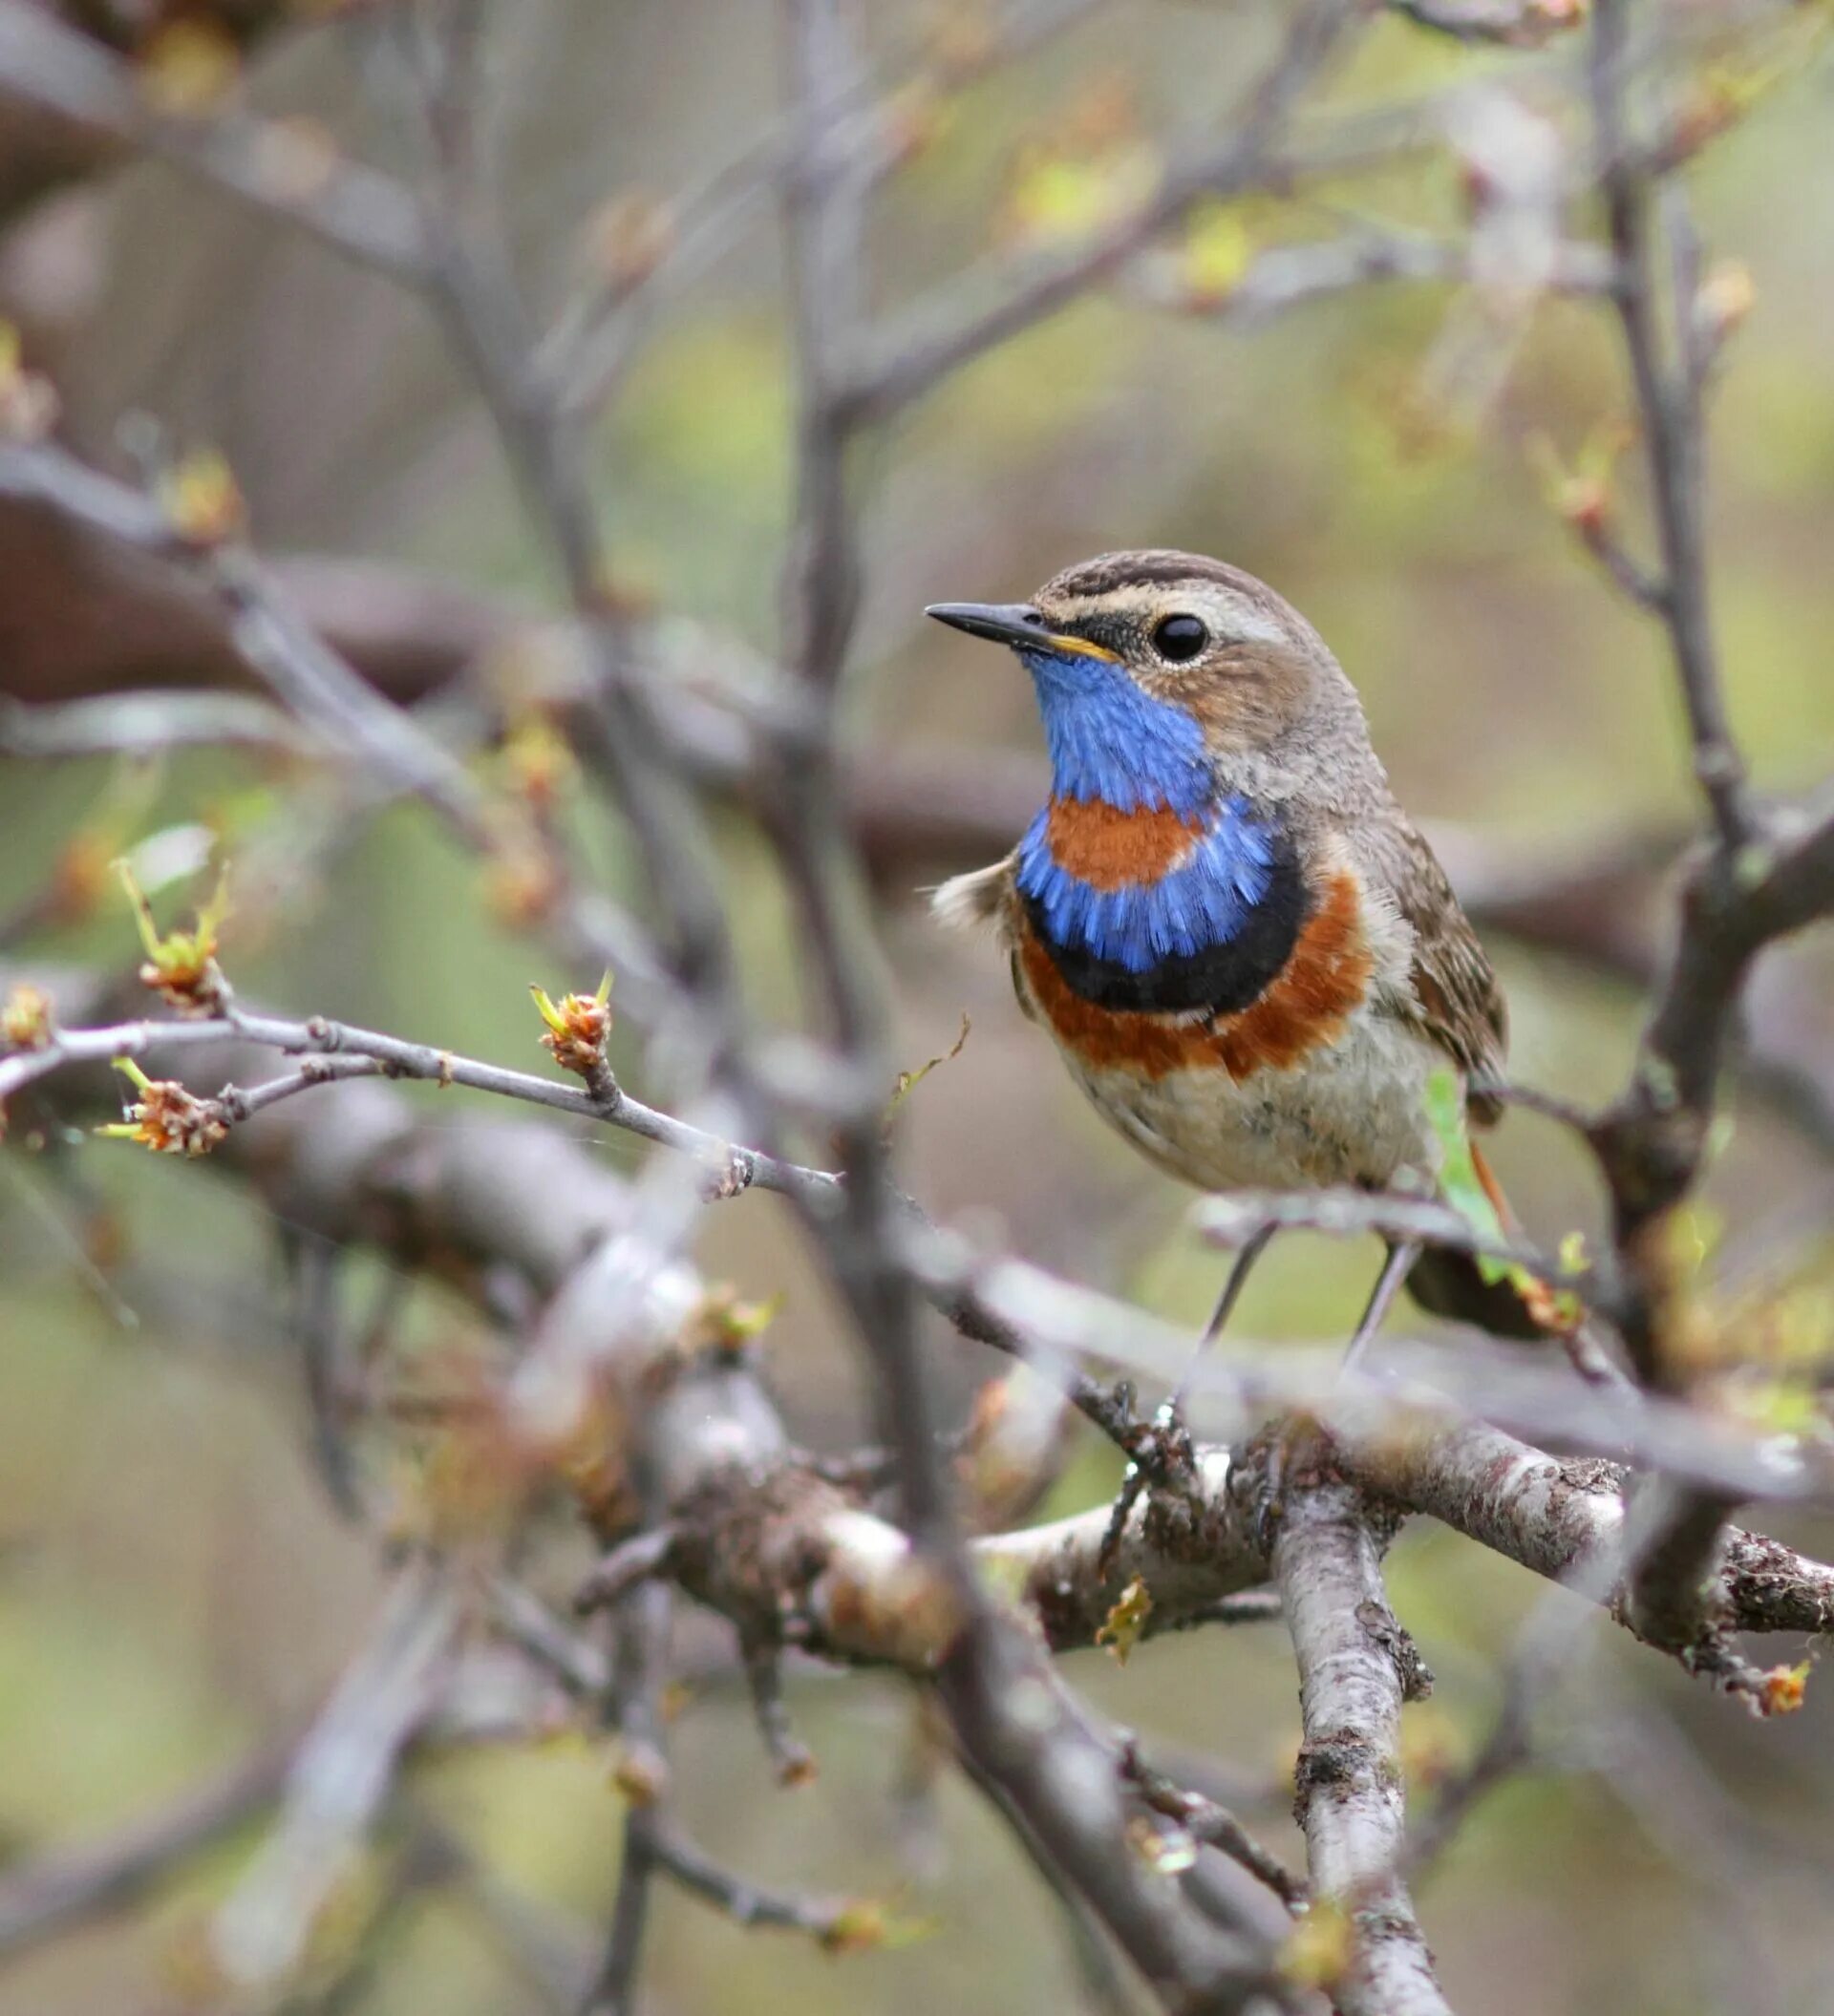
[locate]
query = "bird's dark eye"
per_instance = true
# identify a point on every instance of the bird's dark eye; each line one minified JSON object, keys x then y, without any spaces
{"x":1180,"y":638}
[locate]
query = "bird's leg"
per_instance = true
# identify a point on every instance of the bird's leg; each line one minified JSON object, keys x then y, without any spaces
{"x":1253,"y":1247}
{"x":1396,"y":1269}
{"x":1161,"y":1450}
{"x":1298,"y":1428}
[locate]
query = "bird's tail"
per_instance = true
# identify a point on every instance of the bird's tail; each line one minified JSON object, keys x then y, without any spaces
{"x":1453,"y":1286}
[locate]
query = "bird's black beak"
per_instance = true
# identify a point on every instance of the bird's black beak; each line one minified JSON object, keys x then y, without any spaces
{"x":1016,"y":624}
{"x":1010,"y":622}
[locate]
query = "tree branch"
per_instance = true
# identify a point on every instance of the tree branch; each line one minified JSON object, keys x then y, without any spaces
{"x":1357,"y":1666}
{"x":933,"y":342}
{"x":366,"y":214}
{"x":68,"y":1888}
{"x":1740,"y":897}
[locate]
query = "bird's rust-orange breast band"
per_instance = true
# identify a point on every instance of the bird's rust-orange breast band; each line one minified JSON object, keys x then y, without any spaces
{"x":1110,"y":849}
{"x":1305,"y":1006}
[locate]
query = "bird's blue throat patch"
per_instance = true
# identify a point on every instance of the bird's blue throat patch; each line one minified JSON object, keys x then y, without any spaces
{"x":1110,"y":741}
{"x":1115,"y":746}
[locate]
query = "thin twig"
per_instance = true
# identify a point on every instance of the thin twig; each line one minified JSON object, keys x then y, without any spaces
{"x":935,"y":341}
{"x":339,"y":1780}
{"x":1206,"y":1821}
{"x":642,"y":1625}
{"x":365,"y":215}
{"x":1668,"y":401}
{"x":823,"y":1919}
{"x":341,"y":1047}
{"x":72,"y":1886}
{"x":134,"y":723}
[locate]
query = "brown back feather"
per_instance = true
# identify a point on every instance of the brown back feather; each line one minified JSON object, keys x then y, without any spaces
{"x":1461,"y":1005}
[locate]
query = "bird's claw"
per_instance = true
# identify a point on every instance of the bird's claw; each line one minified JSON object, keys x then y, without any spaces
{"x":1270,"y":1505}
{"x":1160,"y":1455}
{"x":1284,"y":1448}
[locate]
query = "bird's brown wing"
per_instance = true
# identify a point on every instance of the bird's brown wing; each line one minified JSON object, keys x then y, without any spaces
{"x":1460,"y":1004}
{"x":1462,"y":1009}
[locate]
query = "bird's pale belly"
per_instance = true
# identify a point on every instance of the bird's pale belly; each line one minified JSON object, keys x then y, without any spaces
{"x":1351,"y":1112}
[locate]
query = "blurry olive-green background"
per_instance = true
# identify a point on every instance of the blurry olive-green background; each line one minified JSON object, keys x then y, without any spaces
{"x":173,"y":1584}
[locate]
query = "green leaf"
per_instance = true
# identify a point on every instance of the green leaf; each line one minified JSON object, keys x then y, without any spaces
{"x":1459,"y":1183}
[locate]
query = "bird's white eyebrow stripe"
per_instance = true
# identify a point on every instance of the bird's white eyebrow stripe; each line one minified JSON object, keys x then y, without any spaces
{"x":1238,"y":618}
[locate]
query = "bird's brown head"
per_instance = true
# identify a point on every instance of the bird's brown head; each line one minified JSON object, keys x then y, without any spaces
{"x":1126,"y":648}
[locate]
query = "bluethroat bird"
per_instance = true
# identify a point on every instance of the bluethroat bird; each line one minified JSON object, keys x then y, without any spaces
{"x":1249,"y":956}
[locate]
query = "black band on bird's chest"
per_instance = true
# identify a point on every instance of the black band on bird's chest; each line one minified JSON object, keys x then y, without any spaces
{"x":1222,"y":979}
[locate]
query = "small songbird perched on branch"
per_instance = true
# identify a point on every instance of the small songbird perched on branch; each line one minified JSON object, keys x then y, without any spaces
{"x":1248,"y":956}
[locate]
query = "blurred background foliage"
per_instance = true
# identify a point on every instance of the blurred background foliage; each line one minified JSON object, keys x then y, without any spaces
{"x":174,"y":1584}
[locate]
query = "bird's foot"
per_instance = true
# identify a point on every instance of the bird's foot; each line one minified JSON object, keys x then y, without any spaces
{"x":1291,"y":1452}
{"x":1160,"y":1455}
